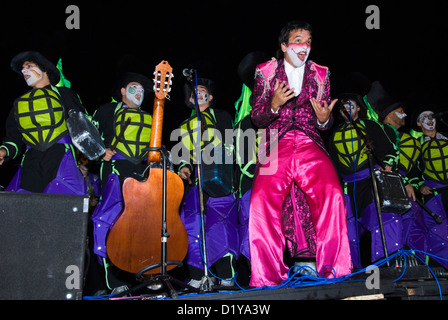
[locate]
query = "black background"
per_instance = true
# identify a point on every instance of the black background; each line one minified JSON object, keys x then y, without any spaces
{"x":408,"y":54}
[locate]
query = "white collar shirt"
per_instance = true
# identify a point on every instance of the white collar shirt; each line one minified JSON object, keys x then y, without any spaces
{"x":295,"y":77}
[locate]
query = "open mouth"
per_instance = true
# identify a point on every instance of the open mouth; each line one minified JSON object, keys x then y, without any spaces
{"x":302,"y":55}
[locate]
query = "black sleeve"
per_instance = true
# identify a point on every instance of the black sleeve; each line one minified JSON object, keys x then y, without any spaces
{"x":383,"y":142}
{"x":12,"y":142}
{"x":70,"y":100}
{"x":103,"y":119}
{"x":223,"y":122}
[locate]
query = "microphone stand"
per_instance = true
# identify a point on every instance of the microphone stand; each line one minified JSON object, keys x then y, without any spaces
{"x":441,"y":118}
{"x":206,"y":281}
{"x":370,"y":156}
{"x":166,"y":279}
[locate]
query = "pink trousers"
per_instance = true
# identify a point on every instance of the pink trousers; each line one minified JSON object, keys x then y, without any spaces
{"x":297,"y":159}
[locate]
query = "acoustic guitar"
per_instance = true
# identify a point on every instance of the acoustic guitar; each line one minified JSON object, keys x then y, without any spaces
{"x":134,"y":242}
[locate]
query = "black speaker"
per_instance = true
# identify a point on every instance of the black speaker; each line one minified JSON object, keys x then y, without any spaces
{"x":42,"y":245}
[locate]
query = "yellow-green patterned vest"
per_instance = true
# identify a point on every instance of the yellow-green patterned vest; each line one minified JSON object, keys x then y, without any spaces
{"x":135,"y":141}
{"x":40,"y":117}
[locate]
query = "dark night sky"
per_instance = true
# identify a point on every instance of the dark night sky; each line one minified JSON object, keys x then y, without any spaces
{"x":408,"y":54}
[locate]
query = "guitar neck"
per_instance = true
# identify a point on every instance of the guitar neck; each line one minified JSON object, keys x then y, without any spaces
{"x":156,"y":130}
{"x":162,"y":86}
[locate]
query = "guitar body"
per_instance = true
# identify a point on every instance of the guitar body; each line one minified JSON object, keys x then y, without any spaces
{"x":135,"y":240}
{"x":136,"y":236}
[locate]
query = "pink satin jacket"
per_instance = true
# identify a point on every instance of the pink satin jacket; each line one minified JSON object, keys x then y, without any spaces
{"x":298,"y":112}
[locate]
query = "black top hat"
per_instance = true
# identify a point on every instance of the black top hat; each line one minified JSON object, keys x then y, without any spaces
{"x":127,"y":78}
{"x":381,"y":102}
{"x":247,"y":66}
{"x":36,"y":57}
{"x":209,"y":84}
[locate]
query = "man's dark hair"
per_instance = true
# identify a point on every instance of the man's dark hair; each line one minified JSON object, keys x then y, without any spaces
{"x":291,"y":26}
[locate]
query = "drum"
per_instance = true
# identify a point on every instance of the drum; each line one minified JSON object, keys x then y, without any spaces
{"x":392,"y":193}
{"x":85,"y":135}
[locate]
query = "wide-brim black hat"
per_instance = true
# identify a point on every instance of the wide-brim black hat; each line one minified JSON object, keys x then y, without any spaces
{"x":36,"y":57}
{"x":127,"y":78}
{"x":381,"y":102}
{"x":209,"y":84}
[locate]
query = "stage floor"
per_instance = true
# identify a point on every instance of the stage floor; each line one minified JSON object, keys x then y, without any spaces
{"x":395,"y":283}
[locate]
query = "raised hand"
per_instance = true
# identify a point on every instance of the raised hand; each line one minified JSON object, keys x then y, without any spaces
{"x":322,"y":112}
{"x":282,"y":93}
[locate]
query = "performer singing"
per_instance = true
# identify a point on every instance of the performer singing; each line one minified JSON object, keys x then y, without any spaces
{"x":38,"y":120}
{"x":414,"y":234}
{"x":220,"y":205}
{"x":433,"y":186}
{"x":291,"y":100}
{"x":435,"y":152}
{"x":127,"y":159}
{"x":347,"y":147}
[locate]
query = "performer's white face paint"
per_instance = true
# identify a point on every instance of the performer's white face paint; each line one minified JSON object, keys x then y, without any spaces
{"x":32,"y":75}
{"x":298,"y":53}
{"x":135,"y":93}
{"x":401,"y":115}
{"x":203,"y":98}
{"x":203,"y":95}
{"x":427,"y":120}
{"x":352,"y":108}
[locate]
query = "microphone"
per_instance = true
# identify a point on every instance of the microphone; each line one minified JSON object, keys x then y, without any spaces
{"x":438,"y":219}
{"x":439,"y":115}
{"x":188,"y":72}
{"x":342,"y":108}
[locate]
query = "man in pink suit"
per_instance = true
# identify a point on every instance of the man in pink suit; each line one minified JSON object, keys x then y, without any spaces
{"x":291,"y":101}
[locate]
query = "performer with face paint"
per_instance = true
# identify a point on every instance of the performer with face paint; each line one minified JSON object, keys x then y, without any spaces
{"x":435,"y":153}
{"x":110,"y":118}
{"x":291,"y":101}
{"x":127,"y":159}
{"x":220,"y":204}
{"x":347,"y":147}
{"x":38,"y":122}
{"x":433,"y":184}
{"x":390,"y":113}
{"x":135,"y":94}
{"x":427,"y":122}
